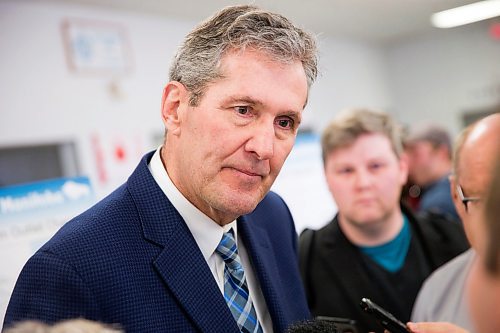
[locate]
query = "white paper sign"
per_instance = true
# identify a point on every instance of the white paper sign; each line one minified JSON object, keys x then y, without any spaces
{"x":29,"y":215}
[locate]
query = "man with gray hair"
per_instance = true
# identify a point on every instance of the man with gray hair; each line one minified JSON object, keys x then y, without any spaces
{"x":429,"y":153}
{"x":374,"y":248}
{"x":194,"y":241}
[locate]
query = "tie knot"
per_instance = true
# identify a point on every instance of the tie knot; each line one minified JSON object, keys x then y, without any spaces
{"x":228,"y":250}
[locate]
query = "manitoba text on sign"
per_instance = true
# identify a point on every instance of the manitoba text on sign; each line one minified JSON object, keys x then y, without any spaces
{"x":29,"y":215}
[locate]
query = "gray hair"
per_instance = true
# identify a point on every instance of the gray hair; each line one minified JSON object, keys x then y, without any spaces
{"x":351,"y":124}
{"x":197,"y":61}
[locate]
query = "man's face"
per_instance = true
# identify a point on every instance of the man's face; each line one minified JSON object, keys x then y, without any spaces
{"x":483,"y":286}
{"x":366,"y":179}
{"x":476,"y":167}
{"x":472,"y":184}
{"x":421,"y":158}
{"x":232,"y":145}
{"x":477,"y":159}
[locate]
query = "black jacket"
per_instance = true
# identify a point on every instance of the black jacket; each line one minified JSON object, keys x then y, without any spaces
{"x":337,"y":275}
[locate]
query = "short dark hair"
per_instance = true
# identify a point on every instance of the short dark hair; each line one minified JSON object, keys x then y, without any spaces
{"x":436,"y":135}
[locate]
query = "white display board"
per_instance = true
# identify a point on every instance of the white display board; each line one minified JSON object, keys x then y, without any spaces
{"x":29,"y":215}
{"x":302,"y":184}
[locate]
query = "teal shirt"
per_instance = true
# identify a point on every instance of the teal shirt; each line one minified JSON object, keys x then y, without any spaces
{"x":391,"y":255}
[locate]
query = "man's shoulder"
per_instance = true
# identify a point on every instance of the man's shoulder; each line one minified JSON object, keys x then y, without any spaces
{"x":273,"y":204}
{"x":442,"y":295}
{"x":272,"y":198}
{"x":441,"y":237}
{"x":446,"y":282}
{"x":440,"y":226}
{"x":447,"y":275}
{"x":440,"y":185}
{"x":437,"y":198}
{"x":272,"y":213}
{"x":97,"y":225}
{"x":328,"y":236}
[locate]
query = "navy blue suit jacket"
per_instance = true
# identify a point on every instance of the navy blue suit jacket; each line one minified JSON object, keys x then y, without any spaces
{"x":132,"y":260}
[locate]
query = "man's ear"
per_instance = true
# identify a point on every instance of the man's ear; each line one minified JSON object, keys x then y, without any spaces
{"x":404,"y":167}
{"x":459,"y":206}
{"x":173,"y":101}
{"x":453,"y":191}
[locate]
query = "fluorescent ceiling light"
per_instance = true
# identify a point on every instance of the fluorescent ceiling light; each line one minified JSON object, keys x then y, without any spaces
{"x":474,"y":12}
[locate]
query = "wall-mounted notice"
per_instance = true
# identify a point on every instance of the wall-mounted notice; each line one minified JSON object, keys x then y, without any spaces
{"x":96,"y":47}
{"x":302,"y":184}
{"x":29,"y":215}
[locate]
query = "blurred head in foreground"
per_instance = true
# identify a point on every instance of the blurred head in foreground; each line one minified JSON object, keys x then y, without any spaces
{"x":67,"y":326}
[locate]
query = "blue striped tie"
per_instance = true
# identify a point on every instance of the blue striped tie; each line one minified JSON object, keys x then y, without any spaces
{"x":235,"y":286}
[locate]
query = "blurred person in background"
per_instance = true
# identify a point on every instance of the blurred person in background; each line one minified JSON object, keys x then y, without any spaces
{"x":66,"y":326}
{"x":375,"y":247}
{"x":429,"y":161}
{"x":442,"y":300}
{"x":194,"y":241}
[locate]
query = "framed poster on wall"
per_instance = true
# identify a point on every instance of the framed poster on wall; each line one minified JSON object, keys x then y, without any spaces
{"x":96,"y":47}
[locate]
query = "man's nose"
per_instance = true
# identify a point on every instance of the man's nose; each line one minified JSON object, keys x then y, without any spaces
{"x":261,"y":142}
{"x":363,"y":178}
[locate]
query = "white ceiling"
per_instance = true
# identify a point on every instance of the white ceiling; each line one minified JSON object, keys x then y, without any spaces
{"x":377,"y":21}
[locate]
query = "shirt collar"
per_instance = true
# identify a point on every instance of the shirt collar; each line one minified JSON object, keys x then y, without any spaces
{"x":206,"y":232}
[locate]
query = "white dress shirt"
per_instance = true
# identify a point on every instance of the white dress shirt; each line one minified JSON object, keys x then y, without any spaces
{"x":208,"y":234}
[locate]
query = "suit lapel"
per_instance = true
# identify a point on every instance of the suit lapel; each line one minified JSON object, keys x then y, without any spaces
{"x":180,"y":264}
{"x":192,"y":283}
{"x":259,"y":249}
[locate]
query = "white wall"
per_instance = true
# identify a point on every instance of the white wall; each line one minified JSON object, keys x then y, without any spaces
{"x":41,"y":100}
{"x":437,"y":77}
{"x":352,"y":74}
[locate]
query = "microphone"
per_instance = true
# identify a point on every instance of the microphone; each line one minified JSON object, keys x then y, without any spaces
{"x":324,"y":325}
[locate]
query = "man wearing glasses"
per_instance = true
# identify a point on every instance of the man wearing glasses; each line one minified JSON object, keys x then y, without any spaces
{"x":442,"y":299}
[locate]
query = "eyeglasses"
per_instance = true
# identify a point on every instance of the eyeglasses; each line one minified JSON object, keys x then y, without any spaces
{"x":465,"y":200}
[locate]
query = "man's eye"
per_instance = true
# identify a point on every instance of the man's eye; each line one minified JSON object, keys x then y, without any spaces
{"x":242,"y":109}
{"x":376,"y":166}
{"x":345,"y":171}
{"x":285,"y":122}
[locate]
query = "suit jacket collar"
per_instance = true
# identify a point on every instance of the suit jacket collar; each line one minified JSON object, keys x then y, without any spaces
{"x":191,"y":282}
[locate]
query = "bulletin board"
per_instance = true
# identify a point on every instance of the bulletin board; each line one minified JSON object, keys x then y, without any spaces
{"x":96,"y":47}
